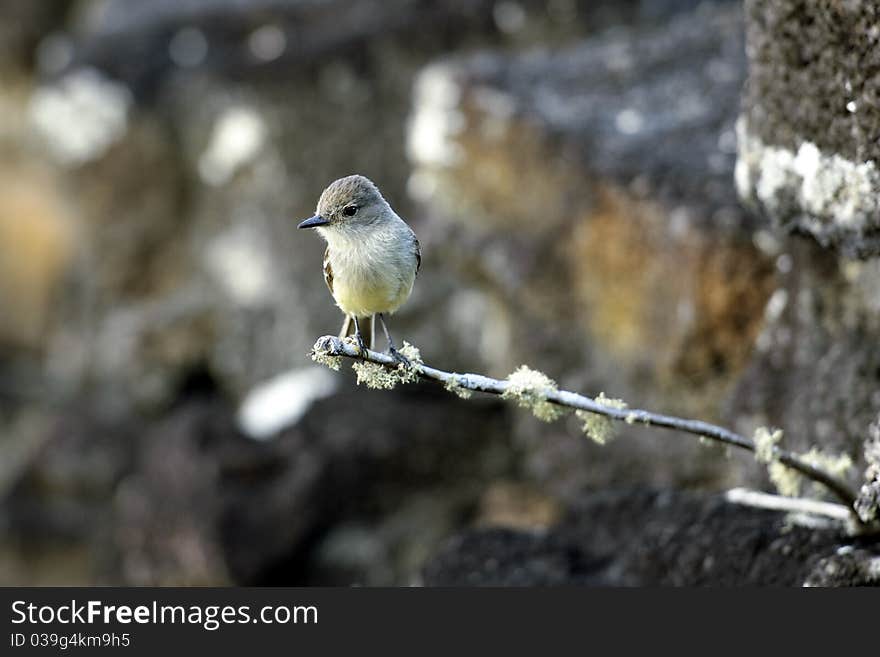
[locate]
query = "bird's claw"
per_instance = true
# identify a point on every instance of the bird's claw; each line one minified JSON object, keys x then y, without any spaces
{"x":360,"y":343}
{"x":399,"y":357}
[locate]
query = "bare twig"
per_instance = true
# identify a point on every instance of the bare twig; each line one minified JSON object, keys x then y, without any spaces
{"x":334,"y":347}
{"x":761,"y":500}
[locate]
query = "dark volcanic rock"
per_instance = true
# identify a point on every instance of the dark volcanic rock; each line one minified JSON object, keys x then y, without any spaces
{"x":656,"y":539}
{"x":848,"y":566}
{"x":808,"y":138}
{"x":807,"y":62}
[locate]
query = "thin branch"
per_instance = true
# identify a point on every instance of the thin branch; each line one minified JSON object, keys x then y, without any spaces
{"x":771,"y":502}
{"x":332,"y":346}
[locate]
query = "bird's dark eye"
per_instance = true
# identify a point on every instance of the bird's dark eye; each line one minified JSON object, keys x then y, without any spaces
{"x":349,"y":210}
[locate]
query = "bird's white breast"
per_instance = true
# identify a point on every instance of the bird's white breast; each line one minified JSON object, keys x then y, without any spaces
{"x":373,"y":270}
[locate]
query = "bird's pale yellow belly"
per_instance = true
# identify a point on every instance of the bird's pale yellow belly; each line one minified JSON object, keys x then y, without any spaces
{"x":362,"y":294}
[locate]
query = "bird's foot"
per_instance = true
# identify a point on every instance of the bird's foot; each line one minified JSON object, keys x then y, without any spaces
{"x":360,"y":343}
{"x":399,"y":357}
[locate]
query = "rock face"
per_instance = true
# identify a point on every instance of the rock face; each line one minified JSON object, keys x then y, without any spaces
{"x":808,"y":137}
{"x":645,"y":538}
{"x":807,"y":160}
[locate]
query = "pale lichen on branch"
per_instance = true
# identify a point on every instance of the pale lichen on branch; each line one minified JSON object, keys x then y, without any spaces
{"x":597,"y":427}
{"x":528,"y":388}
{"x":383,"y":377}
{"x":788,"y":480}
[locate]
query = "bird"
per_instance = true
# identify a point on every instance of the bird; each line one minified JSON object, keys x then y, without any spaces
{"x":371,"y":259}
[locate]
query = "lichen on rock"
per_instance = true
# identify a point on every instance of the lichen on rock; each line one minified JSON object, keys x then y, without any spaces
{"x":807,"y":147}
{"x":825,"y":194}
{"x":868,"y":502}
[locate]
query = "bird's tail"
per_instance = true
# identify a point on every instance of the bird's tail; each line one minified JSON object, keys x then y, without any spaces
{"x":368,"y":329}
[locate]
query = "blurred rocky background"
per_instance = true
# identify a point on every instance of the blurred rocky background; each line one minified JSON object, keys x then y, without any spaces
{"x":671,"y":201}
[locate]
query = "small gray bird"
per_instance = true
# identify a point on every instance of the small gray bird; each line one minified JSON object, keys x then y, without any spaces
{"x":372,"y":256}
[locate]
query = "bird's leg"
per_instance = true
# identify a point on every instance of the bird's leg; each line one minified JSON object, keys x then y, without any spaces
{"x":358,"y":337}
{"x":391,"y":348}
{"x":346,"y":325}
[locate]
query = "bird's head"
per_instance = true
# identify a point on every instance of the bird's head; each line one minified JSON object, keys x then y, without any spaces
{"x":347,"y":206}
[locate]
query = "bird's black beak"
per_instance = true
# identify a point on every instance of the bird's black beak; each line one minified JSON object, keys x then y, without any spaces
{"x":313,"y":222}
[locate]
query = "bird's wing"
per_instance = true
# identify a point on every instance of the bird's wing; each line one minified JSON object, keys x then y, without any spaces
{"x":328,"y":270}
{"x":418,"y":253}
